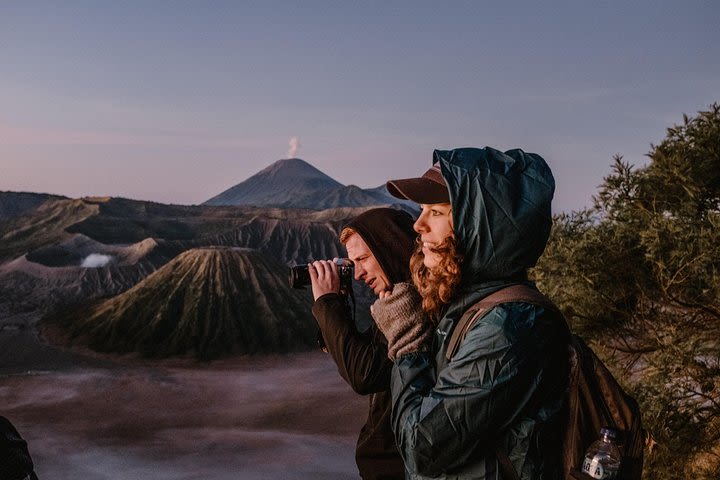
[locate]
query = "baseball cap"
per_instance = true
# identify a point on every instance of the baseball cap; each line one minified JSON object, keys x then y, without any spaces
{"x":428,"y":189}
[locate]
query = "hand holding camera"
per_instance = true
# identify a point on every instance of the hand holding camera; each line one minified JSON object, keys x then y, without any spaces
{"x":325,"y":276}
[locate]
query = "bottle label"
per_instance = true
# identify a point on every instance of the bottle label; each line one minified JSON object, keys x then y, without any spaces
{"x":593,"y":467}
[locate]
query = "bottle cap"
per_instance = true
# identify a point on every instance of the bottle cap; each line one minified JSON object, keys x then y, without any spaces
{"x":610,"y":433}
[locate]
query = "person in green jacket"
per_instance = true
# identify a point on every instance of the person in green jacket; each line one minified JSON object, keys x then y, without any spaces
{"x":485,"y":221}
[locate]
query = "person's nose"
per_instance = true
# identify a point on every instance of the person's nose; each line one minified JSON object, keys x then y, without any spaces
{"x":359,"y":272}
{"x":420,"y":226}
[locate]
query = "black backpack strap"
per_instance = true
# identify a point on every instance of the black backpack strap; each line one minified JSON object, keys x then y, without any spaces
{"x":513,"y":293}
{"x":506,"y":468}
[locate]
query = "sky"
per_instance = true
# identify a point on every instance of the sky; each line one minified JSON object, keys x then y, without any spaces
{"x":176,"y":101}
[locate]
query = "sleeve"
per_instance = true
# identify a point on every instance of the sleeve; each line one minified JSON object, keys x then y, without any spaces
{"x":362,"y":362}
{"x":442,"y":420}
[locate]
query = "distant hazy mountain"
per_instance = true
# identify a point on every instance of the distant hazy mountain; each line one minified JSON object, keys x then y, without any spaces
{"x":13,"y":204}
{"x":208,"y":303}
{"x":277,"y":184}
{"x":381,"y":194}
{"x":295,"y":183}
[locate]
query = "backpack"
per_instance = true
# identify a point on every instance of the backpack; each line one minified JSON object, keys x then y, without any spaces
{"x":594,"y":399}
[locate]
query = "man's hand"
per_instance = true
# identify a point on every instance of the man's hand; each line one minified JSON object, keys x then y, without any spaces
{"x":324,"y":278}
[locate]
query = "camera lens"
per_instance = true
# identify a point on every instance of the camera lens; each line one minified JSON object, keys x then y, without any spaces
{"x":299,"y":276}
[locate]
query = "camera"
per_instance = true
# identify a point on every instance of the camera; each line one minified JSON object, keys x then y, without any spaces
{"x":300,"y":276}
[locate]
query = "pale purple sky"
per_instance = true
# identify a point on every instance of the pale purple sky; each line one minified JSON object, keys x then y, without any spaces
{"x":176,"y":101}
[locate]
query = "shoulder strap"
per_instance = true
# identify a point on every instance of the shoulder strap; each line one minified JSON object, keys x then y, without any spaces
{"x":513,"y":293}
{"x":506,"y":467}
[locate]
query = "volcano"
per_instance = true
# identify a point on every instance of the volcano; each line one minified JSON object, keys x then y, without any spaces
{"x":208,"y":303}
{"x":294,"y":183}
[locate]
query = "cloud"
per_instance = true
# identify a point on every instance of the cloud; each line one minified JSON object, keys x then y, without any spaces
{"x":294,"y":147}
{"x":96,"y":260}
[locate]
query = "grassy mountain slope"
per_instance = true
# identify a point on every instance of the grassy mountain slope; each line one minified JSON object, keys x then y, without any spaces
{"x":206,"y":302}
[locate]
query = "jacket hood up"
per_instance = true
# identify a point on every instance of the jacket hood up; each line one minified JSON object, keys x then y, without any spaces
{"x":501,"y":207}
{"x":390,"y":237}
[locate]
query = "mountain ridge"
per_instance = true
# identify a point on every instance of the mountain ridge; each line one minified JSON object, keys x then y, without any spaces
{"x":295,"y":183}
{"x":14,"y":204}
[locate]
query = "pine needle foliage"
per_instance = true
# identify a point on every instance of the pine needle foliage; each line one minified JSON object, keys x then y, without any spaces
{"x":638,"y":276}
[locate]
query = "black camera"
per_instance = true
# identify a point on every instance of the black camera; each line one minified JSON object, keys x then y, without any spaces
{"x":300,"y":276}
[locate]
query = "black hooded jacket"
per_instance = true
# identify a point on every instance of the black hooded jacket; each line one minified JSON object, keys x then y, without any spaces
{"x":15,"y":461}
{"x":362,"y":357}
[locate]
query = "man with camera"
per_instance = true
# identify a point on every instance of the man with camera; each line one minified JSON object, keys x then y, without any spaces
{"x":379,"y":242}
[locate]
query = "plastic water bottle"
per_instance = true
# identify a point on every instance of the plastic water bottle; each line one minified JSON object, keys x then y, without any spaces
{"x":602,"y":459}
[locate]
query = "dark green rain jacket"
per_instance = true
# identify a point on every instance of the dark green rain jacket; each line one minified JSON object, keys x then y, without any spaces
{"x":504,"y":386}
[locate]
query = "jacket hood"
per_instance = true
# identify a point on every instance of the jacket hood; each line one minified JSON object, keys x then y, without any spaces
{"x":390,"y":236}
{"x":501,"y":205}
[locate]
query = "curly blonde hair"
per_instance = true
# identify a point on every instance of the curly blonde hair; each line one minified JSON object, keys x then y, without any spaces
{"x":436,"y":285}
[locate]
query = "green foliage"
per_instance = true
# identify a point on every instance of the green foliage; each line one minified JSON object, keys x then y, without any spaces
{"x":638,"y":275}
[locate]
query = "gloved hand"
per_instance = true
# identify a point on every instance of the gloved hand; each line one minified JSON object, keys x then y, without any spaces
{"x":400,"y":317}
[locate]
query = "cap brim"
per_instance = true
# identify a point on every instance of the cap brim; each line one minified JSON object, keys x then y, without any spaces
{"x":419,"y":190}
